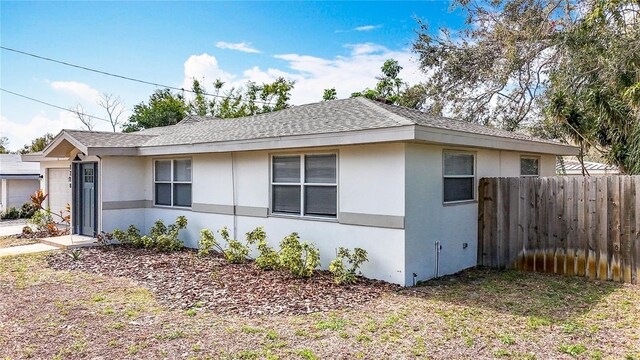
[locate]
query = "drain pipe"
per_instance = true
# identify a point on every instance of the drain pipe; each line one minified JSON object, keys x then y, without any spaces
{"x":438,"y":249}
{"x":233,"y":195}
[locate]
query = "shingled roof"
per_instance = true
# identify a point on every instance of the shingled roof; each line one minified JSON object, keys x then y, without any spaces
{"x":330,"y":117}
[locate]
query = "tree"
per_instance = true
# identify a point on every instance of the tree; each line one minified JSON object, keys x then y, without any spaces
{"x":329,"y":94}
{"x":560,"y":65}
{"x":164,"y":108}
{"x":391,"y":88}
{"x":4,"y":143}
{"x":85,"y":119}
{"x":37,"y":144}
{"x":114,"y":108}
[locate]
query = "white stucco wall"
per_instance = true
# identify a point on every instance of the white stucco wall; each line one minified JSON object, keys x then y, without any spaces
{"x":428,"y":220}
{"x":16,"y":192}
{"x":123,"y":180}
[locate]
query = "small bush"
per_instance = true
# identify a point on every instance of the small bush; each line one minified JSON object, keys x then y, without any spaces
{"x":268,"y":258}
{"x":300,"y":259}
{"x":161,"y":237}
{"x":207,"y":242}
{"x":10,"y":214}
{"x":343,"y":274}
{"x":236,"y":252}
{"x":27,"y":210}
{"x":75,"y":254}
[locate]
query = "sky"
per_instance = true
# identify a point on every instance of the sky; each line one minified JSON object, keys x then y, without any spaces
{"x":318,"y":44}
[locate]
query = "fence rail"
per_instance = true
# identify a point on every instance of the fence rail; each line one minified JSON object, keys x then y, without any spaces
{"x":586,"y":226}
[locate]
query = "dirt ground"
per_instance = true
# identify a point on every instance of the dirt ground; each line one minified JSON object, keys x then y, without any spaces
{"x":50,"y":312}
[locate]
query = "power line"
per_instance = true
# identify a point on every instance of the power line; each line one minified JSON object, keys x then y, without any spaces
{"x":55,"y":106}
{"x":118,"y":76}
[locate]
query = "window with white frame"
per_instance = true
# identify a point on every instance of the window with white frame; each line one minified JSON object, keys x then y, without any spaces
{"x":304,"y":185}
{"x":172,"y":182}
{"x":459,"y":176}
{"x":529,"y":166}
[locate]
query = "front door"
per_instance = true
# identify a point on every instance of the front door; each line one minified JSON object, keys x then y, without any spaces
{"x":86,"y":199}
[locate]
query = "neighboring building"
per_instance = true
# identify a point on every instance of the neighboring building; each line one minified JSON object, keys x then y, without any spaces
{"x":18,"y":181}
{"x":355,"y":173}
{"x":572,"y":167}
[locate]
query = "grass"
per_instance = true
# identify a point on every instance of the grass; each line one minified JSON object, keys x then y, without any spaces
{"x":479,"y":313}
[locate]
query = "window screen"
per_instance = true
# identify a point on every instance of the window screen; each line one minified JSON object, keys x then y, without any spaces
{"x":305,"y":185}
{"x":529,"y":166}
{"x":459,"y":176}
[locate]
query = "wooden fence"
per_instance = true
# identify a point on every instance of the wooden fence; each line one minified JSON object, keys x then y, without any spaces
{"x":587,"y":226}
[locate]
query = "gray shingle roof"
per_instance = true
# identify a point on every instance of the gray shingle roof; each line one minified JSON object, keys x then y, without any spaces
{"x":319,"y":118}
{"x":11,"y":164}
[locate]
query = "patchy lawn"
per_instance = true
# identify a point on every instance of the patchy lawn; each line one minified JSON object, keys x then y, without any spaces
{"x":49,"y":313}
{"x":8,"y":241}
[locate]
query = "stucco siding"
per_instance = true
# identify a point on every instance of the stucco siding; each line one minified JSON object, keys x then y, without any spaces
{"x":18,"y":191}
{"x":453,"y":226}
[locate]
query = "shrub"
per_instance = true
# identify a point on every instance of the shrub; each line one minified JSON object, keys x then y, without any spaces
{"x":268,"y":258}
{"x":207,"y":242}
{"x":27,"y":210}
{"x":10,"y":213}
{"x":342,"y":274}
{"x":236,"y":252}
{"x":161,"y":237}
{"x":300,"y":259}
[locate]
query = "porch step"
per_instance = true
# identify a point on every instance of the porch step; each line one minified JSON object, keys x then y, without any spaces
{"x":70,"y":241}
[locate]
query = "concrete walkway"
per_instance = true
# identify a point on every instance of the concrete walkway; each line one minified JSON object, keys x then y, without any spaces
{"x":70,"y":241}
{"x":12,"y":227}
{"x":26,"y":249}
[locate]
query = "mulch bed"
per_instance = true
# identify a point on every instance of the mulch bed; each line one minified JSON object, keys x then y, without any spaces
{"x":184,"y":280}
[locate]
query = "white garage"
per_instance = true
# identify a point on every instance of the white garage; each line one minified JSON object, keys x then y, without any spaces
{"x":59,"y":188}
{"x":18,"y":181}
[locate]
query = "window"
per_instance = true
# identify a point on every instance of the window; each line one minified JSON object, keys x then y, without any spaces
{"x":529,"y":166}
{"x":304,"y":185}
{"x":459,"y":176}
{"x":172,"y":180}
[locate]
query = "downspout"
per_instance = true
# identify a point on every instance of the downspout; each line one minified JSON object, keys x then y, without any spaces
{"x":233,"y":195}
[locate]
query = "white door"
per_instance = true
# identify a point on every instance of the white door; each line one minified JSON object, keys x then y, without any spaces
{"x":59,"y":188}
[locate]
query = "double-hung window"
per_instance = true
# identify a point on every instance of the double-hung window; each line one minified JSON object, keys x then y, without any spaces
{"x":304,"y":185}
{"x":529,"y":166}
{"x":172,"y":182}
{"x":459,"y":176}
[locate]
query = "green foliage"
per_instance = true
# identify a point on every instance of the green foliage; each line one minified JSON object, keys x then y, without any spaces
{"x":37,"y":144}
{"x":235,"y":252}
{"x":25,"y":212}
{"x":163,"y":108}
{"x":207,"y":242}
{"x":40,"y":219}
{"x":299,"y":259}
{"x":11,"y":213}
{"x":4,"y":143}
{"x":268,"y":258}
{"x":393,"y":89}
{"x":343,"y":274}
{"x":75,"y":254}
{"x":161,"y":237}
{"x":329,"y":94}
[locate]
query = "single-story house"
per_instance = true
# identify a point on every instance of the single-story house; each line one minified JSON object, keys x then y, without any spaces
{"x":399,"y":183}
{"x":18,"y":181}
{"x":572,"y":167}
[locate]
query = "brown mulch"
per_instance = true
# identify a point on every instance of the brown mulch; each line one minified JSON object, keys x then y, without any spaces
{"x":9,"y":241}
{"x":184,"y":280}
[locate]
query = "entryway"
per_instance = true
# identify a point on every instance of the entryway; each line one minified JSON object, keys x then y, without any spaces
{"x":85,"y":198}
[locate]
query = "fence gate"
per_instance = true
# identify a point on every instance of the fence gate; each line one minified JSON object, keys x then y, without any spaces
{"x":586,"y":226}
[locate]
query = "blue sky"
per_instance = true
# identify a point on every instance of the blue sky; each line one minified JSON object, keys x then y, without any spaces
{"x":317,"y":44}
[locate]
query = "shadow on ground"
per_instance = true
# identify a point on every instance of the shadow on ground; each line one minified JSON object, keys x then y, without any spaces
{"x":547,"y":297}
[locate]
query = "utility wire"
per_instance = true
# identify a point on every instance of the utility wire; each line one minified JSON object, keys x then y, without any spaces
{"x":119,"y":76}
{"x":53,"y":105}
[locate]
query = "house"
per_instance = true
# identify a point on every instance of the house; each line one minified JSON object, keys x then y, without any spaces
{"x":18,"y":181}
{"x":396,"y":182}
{"x":572,"y":167}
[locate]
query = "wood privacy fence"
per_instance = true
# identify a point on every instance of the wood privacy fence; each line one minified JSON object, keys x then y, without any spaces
{"x":587,"y":226}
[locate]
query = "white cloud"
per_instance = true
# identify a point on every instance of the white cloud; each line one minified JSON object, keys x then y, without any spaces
{"x":366,"y":48}
{"x":205,"y":69}
{"x":312,"y":74}
{"x":367,"y":27}
{"x":20,"y":133}
{"x":75,"y":88}
{"x":241,"y":46}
